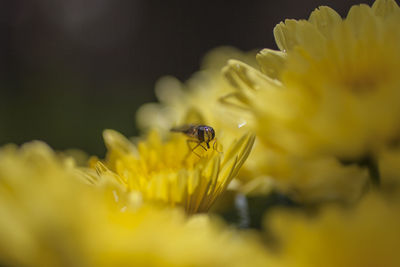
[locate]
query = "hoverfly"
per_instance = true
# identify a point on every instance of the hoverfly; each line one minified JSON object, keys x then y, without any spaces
{"x":199,"y":134}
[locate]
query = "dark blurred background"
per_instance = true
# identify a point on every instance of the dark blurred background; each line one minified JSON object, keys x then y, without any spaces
{"x":71,"y":68}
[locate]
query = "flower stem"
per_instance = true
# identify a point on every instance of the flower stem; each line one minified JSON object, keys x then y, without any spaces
{"x":242,"y":208}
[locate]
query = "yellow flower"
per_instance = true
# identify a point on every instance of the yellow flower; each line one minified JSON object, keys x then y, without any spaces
{"x":333,"y":89}
{"x":311,"y":180}
{"x":37,"y":202}
{"x":367,"y":235}
{"x":306,"y":178}
{"x":197,"y":100}
{"x":48,"y":217}
{"x":330,"y":95}
{"x":159,"y":238}
{"x":168,"y":172}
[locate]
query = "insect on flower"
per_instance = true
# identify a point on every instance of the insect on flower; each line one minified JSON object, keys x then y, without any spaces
{"x":199,"y":134}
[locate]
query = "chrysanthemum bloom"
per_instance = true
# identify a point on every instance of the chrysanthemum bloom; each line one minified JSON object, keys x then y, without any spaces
{"x":199,"y":101}
{"x":169,"y":172}
{"x":38,"y":199}
{"x":366,"y":235}
{"x":49,"y":217}
{"x":308,"y":180}
{"x":330,"y":94}
{"x":334,"y":87}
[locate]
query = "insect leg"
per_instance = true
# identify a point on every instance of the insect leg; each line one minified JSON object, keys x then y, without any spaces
{"x":203,"y":147}
{"x":188,"y":141}
{"x":215,"y":145}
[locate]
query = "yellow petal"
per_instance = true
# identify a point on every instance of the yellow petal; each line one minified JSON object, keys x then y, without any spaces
{"x":300,"y":34}
{"x":385,"y":8}
{"x":246,"y":80}
{"x":285,"y":34}
{"x":271,"y":62}
{"x":325,"y":19}
{"x":117,"y":142}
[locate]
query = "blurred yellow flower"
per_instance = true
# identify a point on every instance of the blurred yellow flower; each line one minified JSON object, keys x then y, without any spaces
{"x":152,"y":237}
{"x":304,"y":178}
{"x":48,"y":217}
{"x":38,"y":199}
{"x":311,"y":180}
{"x":197,"y":100}
{"x":333,"y":89}
{"x":367,"y":235}
{"x":324,"y":98}
{"x":168,"y":172}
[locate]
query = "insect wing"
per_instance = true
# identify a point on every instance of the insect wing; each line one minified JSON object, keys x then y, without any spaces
{"x":183,"y":128}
